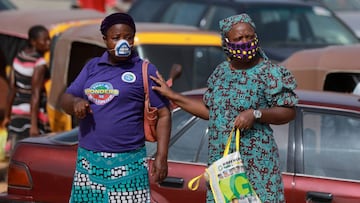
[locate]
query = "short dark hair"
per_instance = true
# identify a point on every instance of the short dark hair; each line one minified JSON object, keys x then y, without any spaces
{"x":117,"y":18}
{"x":35,"y":30}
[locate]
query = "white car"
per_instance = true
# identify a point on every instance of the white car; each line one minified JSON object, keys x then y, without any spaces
{"x":346,"y":10}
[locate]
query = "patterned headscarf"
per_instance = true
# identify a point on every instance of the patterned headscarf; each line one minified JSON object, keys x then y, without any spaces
{"x":227,"y":23}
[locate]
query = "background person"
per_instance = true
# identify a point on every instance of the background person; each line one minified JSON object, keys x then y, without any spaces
{"x":27,"y":98}
{"x":111,"y":160}
{"x":4,"y":90}
{"x":250,"y":93}
{"x":3,"y":105}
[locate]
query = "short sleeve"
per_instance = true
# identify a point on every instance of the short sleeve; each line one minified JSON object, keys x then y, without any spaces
{"x":40,"y":62}
{"x":280,"y":86}
{"x":156,"y":99}
{"x":76,"y":88}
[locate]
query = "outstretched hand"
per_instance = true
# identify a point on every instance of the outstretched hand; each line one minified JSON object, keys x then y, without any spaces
{"x":163,"y":88}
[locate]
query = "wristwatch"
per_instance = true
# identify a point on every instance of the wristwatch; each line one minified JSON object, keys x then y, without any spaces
{"x":257,"y":114}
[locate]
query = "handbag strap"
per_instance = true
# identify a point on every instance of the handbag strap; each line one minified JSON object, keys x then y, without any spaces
{"x":145,"y":82}
{"x":237,"y":140}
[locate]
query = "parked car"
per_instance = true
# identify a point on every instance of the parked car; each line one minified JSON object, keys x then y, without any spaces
{"x":7,"y":5}
{"x":333,"y":68}
{"x":319,"y":152}
{"x":196,"y":52}
{"x":346,"y":10}
{"x":284,"y":26}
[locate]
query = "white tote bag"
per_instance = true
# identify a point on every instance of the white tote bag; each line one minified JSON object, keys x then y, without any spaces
{"x":227,"y":177}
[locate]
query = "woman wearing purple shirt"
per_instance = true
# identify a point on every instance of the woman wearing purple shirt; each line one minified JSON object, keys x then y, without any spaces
{"x":108,"y":99}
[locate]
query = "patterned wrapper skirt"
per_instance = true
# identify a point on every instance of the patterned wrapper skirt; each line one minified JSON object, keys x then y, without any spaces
{"x":111,"y":177}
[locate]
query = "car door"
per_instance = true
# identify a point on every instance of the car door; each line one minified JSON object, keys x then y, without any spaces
{"x":285,"y":139}
{"x":328,"y":157}
{"x":187,"y":158}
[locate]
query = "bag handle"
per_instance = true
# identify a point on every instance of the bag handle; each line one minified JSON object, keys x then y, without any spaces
{"x":237,"y":139}
{"x":145,"y":82}
{"x":195,"y":182}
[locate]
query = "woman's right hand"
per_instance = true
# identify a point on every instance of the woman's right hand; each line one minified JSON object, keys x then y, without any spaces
{"x":163,"y":88}
{"x":81,"y":108}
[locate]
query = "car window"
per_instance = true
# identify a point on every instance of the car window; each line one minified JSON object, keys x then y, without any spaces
{"x":327,"y":29}
{"x":214,"y":15}
{"x":175,"y":13}
{"x":331,"y":145}
{"x":342,"y":5}
{"x":197,"y":62}
{"x":6,"y":5}
{"x":341,"y":81}
{"x":190,"y":144}
{"x":179,"y":120}
{"x":281,"y":134}
{"x":80,"y":54}
{"x":153,"y":10}
{"x":299,"y":26}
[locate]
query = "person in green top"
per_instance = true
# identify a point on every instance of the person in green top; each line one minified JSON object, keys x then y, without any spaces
{"x":247,"y":92}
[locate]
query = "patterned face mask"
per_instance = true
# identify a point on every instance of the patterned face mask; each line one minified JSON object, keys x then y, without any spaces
{"x":242,"y":50}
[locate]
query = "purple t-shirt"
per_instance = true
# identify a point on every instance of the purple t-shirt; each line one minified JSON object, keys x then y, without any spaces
{"x":116,"y":96}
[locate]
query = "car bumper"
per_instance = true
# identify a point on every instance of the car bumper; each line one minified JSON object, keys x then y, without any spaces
{"x":7,"y":198}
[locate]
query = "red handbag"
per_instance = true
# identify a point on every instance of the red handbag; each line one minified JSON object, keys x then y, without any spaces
{"x":150,"y":113}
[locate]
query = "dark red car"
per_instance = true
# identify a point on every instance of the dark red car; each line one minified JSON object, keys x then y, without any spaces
{"x":320,"y":156}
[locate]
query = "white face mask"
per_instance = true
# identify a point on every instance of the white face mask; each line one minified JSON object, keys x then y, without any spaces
{"x":122,"y":48}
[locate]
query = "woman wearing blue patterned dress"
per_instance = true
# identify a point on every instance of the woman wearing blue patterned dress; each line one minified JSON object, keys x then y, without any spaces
{"x":248,"y":92}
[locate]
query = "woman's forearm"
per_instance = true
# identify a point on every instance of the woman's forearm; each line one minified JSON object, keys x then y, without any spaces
{"x":191,"y":105}
{"x":278,"y":115}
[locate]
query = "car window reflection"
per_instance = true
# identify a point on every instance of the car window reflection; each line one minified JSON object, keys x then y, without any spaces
{"x":188,"y":144}
{"x":281,"y":134}
{"x":331,"y":145}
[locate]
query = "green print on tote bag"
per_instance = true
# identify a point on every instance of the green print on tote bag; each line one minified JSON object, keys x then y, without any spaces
{"x":227,"y":177}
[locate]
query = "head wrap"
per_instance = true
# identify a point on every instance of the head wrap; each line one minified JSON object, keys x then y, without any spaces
{"x":116,"y":18}
{"x":227,"y":23}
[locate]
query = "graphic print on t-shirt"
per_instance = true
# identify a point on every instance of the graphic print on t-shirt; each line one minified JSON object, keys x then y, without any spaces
{"x":128,"y":77}
{"x":101,"y":93}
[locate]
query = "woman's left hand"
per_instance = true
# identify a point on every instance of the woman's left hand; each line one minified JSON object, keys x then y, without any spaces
{"x":163,"y":88}
{"x":245,"y":120}
{"x":159,"y":169}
